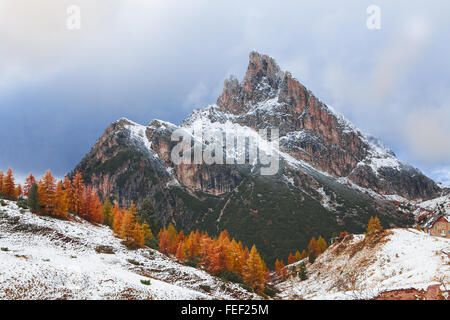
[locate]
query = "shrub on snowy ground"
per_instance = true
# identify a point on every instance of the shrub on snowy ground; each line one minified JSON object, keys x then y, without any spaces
{"x":191,"y":262}
{"x":136,"y":263}
{"x":152,"y":243}
{"x":205,"y":288}
{"x":22,"y":203}
{"x":302,"y":274}
{"x":270,"y":292}
{"x":104,"y":249}
{"x":29,"y":227}
{"x":246,"y":287}
{"x":230,"y":276}
{"x":311,"y":258}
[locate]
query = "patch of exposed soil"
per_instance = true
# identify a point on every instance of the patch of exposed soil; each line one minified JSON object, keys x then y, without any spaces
{"x":431,"y":293}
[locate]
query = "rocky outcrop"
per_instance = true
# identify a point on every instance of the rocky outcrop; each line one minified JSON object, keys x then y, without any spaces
{"x":431,"y":293}
{"x":212,"y":179}
{"x":408,"y":182}
{"x":260,"y":83}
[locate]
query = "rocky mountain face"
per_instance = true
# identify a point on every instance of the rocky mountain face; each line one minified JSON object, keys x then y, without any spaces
{"x":331,"y":176}
{"x":313,"y":132}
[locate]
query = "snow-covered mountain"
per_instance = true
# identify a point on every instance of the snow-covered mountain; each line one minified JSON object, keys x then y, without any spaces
{"x":46,"y":258}
{"x":393,"y":264}
{"x":331,"y":176}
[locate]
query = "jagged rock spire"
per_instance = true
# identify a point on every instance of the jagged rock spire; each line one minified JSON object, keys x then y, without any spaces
{"x":262,"y":68}
{"x":261,"y":82}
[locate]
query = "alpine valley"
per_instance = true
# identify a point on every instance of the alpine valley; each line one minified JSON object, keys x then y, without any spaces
{"x":331,"y":177}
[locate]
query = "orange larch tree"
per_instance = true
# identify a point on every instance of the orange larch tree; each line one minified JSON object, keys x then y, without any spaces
{"x":374,"y":225}
{"x":206,"y":249}
{"x":313,"y":247}
{"x":114,"y":212}
{"x":126,"y":229}
{"x":85,"y":203}
{"x":322,"y":244}
{"x":298,"y":256}
{"x":304,"y":254}
{"x":118,"y":218}
{"x":278,"y":268}
{"x":8,"y":186}
{"x":164,"y":241}
{"x":78,"y":189}
{"x":254,"y":271}
{"x":96,"y":208}
{"x":291,"y":258}
{"x":29,"y":181}
{"x":137,"y":235}
{"x":180,"y":254}
{"x":192,"y":246}
{"x":69,"y":190}
{"x":61,"y":203}
{"x":1,"y":181}
{"x":172,"y":234}
{"x":283,"y":271}
{"x":46,"y":189}
{"x":235,"y":257}
{"x":218,"y":257}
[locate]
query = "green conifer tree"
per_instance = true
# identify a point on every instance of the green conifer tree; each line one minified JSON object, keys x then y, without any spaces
{"x":33,"y":199}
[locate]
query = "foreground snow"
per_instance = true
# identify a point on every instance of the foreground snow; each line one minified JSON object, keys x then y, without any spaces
{"x":433,"y":205}
{"x":364,"y":267}
{"x":45,"y":258}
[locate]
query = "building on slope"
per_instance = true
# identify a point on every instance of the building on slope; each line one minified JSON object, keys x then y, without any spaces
{"x":439,"y":226}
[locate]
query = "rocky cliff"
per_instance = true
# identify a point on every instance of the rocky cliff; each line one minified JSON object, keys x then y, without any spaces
{"x":314,"y":132}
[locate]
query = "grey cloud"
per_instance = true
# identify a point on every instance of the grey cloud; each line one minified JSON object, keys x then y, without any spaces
{"x":427,"y":133}
{"x":442,"y":175}
{"x":196,"y":97}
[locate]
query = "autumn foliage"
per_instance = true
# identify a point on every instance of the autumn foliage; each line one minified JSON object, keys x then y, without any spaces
{"x":7,"y":186}
{"x":280,"y":269}
{"x":58,"y":199}
{"x":216,"y":255}
{"x":52,"y":196}
{"x":374,"y":225}
{"x":315,"y":248}
{"x":71,"y":197}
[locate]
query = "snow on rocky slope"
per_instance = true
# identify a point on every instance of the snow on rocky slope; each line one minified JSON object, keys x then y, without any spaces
{"x":312,"y":134}
{"x":363,"y":267}
{"x":436,"y":205}
{"x":46,"y":258}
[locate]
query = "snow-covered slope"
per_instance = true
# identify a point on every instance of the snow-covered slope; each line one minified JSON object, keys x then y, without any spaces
{"x":362,"y":267}
{"x":46,"y":258}
{"x":436,"y":205}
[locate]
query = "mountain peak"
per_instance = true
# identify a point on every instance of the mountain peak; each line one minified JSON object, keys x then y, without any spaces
{"x":261,"y":67}
{"x":261,"y":82}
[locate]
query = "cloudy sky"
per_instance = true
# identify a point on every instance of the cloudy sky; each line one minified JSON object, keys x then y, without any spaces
{"x":141,"y":59}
